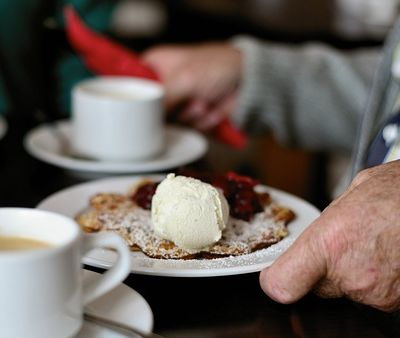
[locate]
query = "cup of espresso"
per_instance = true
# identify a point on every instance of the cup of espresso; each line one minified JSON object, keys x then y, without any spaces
{"x":117,"y":118}
{"x":41,"y":290}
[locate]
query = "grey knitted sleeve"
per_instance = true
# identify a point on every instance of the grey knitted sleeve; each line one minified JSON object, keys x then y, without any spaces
{"x":310,"y":96}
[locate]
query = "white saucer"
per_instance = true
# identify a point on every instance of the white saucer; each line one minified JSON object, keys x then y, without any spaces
{"x":183,"y":146}
{"x":123,"y":304}
{"x":3,"y":127}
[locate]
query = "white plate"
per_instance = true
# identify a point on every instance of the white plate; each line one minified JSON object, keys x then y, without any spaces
{"x":75,"y":199}
{"x":3,"y":127}
{"x":183,"y":145}
{"x":122,"y":304}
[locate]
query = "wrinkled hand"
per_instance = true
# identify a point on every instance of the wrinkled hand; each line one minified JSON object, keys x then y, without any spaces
{"x":199,"y":79}
{"x":352,"y":249}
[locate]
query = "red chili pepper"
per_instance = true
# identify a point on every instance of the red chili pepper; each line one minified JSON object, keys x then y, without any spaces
{"x":102,"y":55}
{"x":106,"y":57}
{"x":227,"y":133}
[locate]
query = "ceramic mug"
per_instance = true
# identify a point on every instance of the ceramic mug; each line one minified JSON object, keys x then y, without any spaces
{"x":41,"y":290}
{"x":116,"y":118}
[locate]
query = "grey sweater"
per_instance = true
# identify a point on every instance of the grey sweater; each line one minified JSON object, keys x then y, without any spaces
{"x":314,"y":96}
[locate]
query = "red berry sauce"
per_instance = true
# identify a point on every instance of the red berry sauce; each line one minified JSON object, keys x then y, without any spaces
{"x":238,"y":190}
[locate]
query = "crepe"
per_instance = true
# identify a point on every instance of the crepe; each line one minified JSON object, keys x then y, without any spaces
{"x":121,"y":213}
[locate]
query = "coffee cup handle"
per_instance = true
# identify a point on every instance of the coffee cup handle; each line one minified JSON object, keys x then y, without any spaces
{"x":116,"y":274}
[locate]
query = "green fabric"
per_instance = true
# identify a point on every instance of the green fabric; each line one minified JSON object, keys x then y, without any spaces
{"x":18,"y":39}
{"x":70,"y":70}
{"x":24,"y":52}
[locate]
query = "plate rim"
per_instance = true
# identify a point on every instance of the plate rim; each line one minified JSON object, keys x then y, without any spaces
{"x":116,"y":167}
{"x":97,"y":259}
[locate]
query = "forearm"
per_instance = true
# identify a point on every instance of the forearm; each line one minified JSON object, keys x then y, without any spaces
{"x":310,"y":96}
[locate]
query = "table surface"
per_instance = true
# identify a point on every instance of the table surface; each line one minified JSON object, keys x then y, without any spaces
{"x":229,"y":306}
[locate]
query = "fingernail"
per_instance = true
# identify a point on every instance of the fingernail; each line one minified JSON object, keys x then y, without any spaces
{"x":282,"y":296}
{"x":272,"y":288}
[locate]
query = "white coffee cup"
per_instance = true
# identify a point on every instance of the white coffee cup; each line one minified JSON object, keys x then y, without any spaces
{"x":41,"y":291}
{"x":116,"y":118}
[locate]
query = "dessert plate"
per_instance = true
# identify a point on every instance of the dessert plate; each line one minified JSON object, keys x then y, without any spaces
{"x":49,"y":143}
{"x":122,"y":304}
{"x":75,"y":199}
{"x":3,"y":127}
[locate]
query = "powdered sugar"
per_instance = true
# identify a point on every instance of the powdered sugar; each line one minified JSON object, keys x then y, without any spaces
{"x":239,"y":237}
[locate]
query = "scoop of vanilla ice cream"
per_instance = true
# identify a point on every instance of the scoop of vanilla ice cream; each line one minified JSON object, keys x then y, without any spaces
{"x":189,"y":212}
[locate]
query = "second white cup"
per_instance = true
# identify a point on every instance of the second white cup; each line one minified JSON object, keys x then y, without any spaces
{"x":118,"y":118}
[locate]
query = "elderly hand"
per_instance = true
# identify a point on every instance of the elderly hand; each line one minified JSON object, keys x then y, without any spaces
{"x":352,"y":249}
{"x":199,"y":79}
